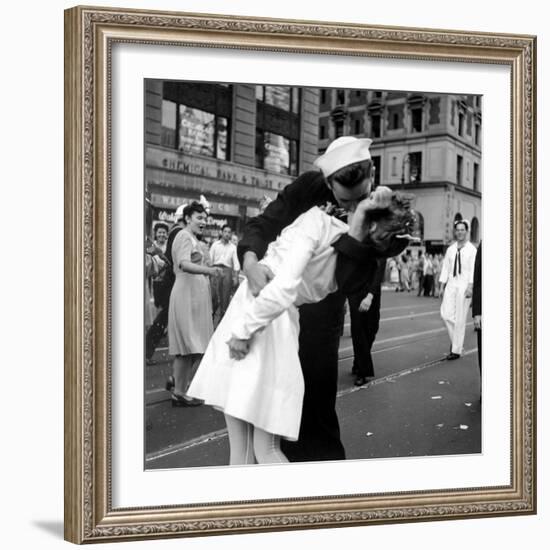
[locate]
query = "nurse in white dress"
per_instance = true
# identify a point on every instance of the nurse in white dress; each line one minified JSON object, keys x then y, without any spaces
{"x":251,"y":369}
{"x":457,"y":279}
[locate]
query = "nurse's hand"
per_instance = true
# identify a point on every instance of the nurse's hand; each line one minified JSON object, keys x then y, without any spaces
{"x":468,"y":293}
{"x":238,"y":348}
{"x":379,"y":198}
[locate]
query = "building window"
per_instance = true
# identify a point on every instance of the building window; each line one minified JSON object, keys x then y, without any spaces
{"x":169,"y":123}
{"x":459,"y":161}
{"x":377,"y":95}
{"x":294,"y":155}
{"x":196,"y":131}
{"x":395,"y":121}
{"x":196,"y":118}
{"x":203,"y":133}
{"x":375,"y":126}
{"x":477,"y":134}
{"x":476,"y":176}
{"x":296,"y":99}
{"x":323,"y":97}
{"x":338,"y":128}
{"x":415,"y":167}
{"x":376,"y":168}
{"x":394,"y":166}
{"x":278,"y":128}
{"x":340,"y":97}
{"x":357,"y":126}
{"x":276,"y":153}
{"x":282,"y":97}
{"x":322,"y":131}
{"x":395,"y":117}
{"x":416,"y":120}
{"x":222,"y":138}
{"x":460,"y":124}
{"x":259,"y":149}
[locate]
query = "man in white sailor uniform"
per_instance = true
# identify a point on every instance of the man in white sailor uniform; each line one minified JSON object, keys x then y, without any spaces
{"x":456,"y":282}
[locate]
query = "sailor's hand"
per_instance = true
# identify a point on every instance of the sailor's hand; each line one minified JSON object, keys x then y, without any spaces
{"x":366,"y":302}
{"x":258,"y":275}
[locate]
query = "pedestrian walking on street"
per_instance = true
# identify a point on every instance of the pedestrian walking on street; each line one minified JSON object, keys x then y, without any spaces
{"x":258,"y":381}
{"x":394,"y":273}
{"x":405,"y":273}
{"x":428,"y":276}
{"x":190,"y":313}
{"x":456,"y":282}
{"x":419,"y":269}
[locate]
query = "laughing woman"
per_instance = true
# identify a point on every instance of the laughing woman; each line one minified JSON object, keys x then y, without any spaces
{"x":190,"y":312}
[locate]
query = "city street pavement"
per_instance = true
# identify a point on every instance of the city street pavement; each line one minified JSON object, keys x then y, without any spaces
{"x":419,"y":404}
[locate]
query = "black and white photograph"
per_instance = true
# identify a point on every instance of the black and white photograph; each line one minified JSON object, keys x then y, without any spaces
{"x":252,"y":236}
{"x":312,"y":274}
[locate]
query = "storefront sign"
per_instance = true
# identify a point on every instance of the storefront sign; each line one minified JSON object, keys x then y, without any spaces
{"x":172,"y":202}
{"x":174,"y":161}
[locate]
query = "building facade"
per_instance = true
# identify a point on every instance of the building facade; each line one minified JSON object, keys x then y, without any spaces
{"x":237,"y":145}
{"x":429,"y":144}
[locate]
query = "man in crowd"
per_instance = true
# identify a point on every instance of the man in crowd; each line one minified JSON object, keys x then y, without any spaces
{"x":419,"y":268}
{"x":428,"y":275}
{"x":223,"y":254}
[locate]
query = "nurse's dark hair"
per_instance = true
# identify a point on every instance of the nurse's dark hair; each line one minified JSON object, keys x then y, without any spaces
{"x":191,"y":208}
{"x":387,"y":223}
{"x":352,"y":174}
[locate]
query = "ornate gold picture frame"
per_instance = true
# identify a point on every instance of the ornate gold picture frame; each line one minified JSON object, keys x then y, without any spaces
{"x":90,"y":35}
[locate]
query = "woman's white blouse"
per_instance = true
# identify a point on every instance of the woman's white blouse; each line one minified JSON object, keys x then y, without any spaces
{"x":303,"y":262}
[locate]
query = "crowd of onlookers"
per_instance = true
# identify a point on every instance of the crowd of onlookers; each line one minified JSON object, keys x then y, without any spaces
{"x":189,"y":283}
{"x":418,"y":273}
{"x":216,"y":251}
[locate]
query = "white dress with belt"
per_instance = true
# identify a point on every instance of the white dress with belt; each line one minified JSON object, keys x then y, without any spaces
{"x":266,"y":388}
